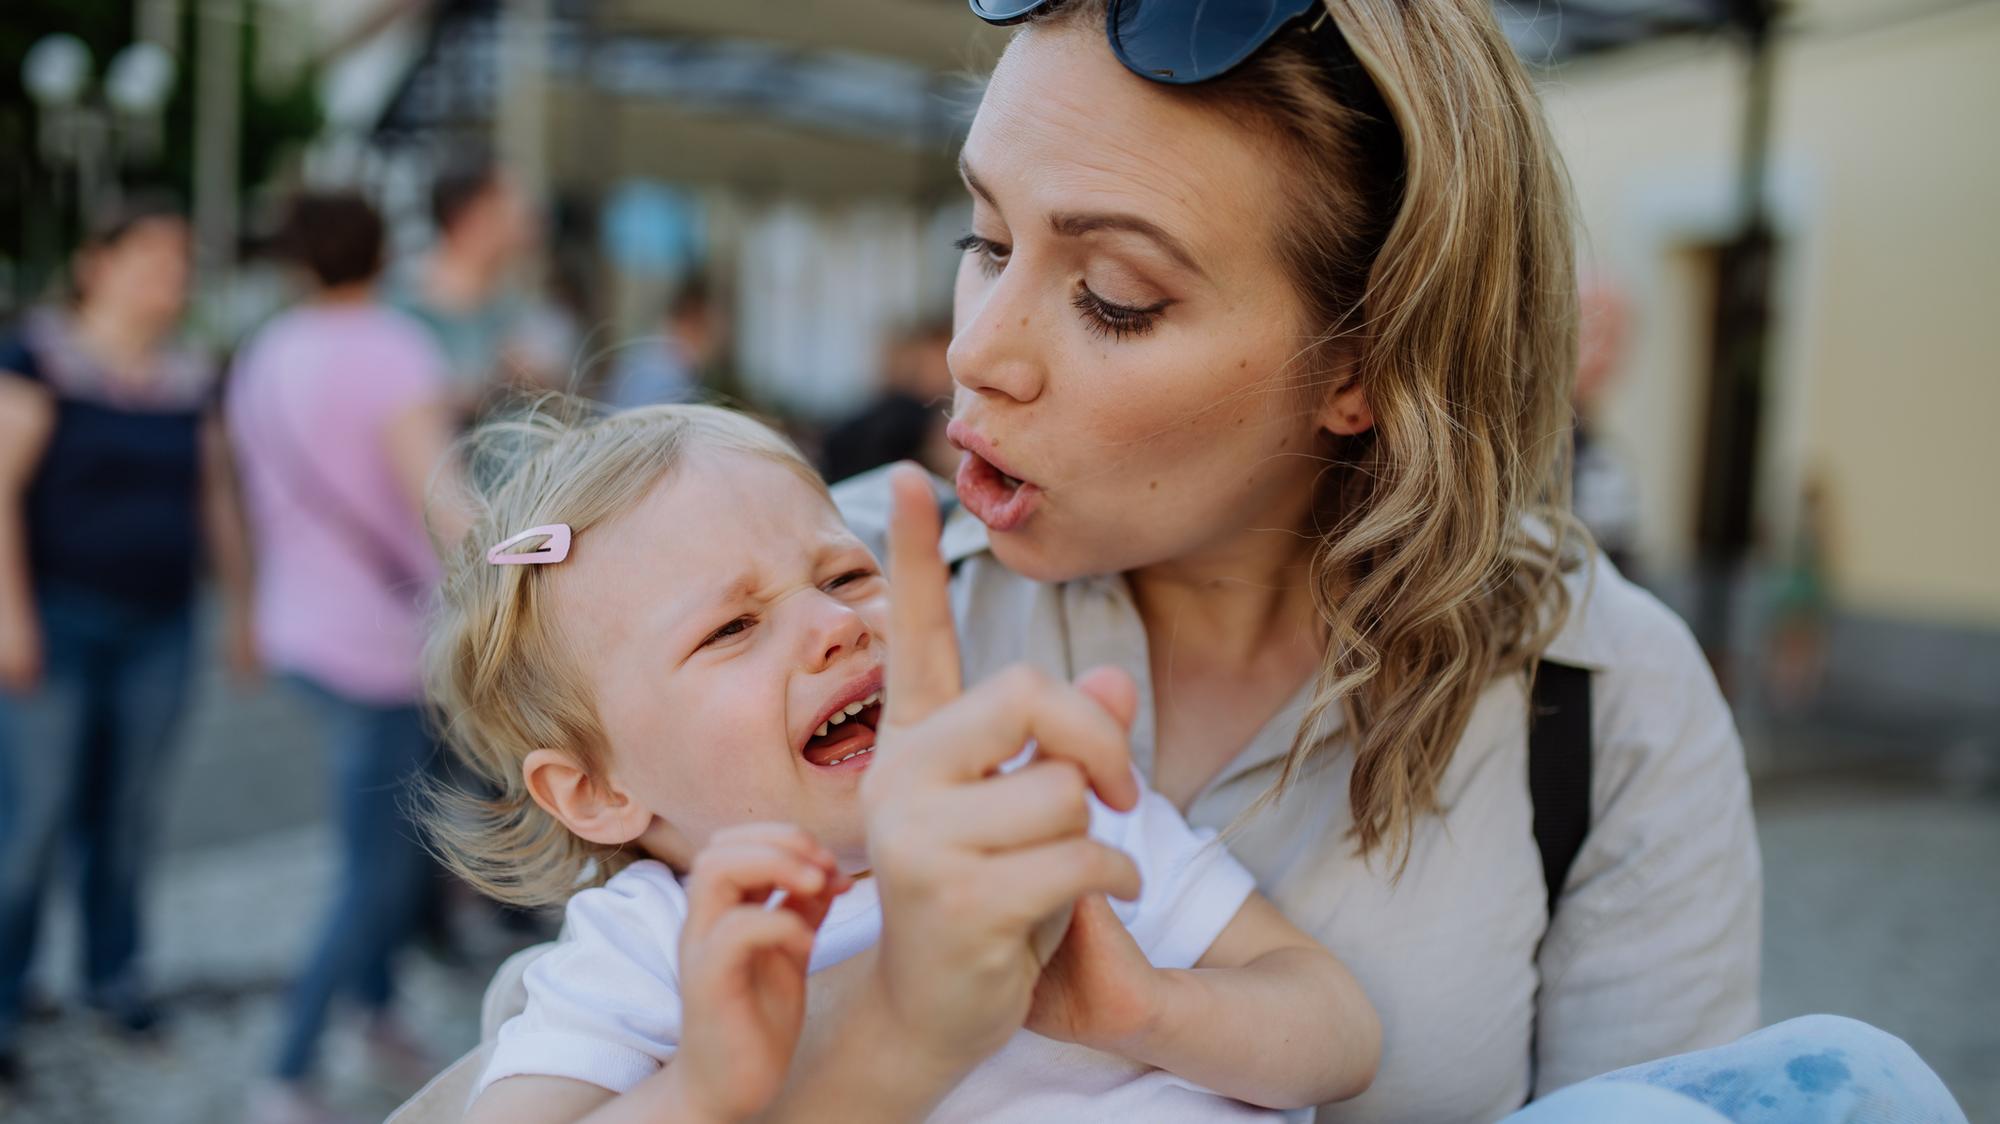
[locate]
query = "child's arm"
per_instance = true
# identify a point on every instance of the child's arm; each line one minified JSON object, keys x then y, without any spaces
{"x":1266,"y":1016}
{"x":742,"y":974}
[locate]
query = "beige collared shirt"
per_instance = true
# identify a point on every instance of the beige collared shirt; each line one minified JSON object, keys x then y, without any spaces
{"x":1655,"y":945}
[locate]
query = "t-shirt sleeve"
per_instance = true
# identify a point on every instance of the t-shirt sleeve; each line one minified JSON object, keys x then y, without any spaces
{"x":1191,"y":887}
{"x":17,"y":361}
{"x":604,"y":1005}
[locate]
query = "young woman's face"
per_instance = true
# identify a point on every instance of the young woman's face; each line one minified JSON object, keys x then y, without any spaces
{"x":144,"y":273}
{"x":722,"y":623}
{"x":1124,"y":329}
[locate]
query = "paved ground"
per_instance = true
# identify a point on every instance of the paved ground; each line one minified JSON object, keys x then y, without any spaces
{"x":1883,"y":903}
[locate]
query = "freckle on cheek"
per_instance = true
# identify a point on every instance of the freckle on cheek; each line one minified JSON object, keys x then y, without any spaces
{"x":1152,"y":485}
{"x":1024,"y":321}
{"x":1243,"y":364}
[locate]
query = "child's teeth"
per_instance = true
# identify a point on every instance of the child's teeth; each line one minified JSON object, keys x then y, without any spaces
{"x":855,"y":707}
{"x":822,"y":730}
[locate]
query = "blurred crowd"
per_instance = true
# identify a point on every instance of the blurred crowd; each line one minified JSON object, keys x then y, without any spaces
{"x":305,"y":478}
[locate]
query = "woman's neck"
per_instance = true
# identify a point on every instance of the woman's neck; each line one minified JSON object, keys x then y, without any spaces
{"x":1246,"y":603}
{"x":121,"y":341}
{"x":351,"y":295}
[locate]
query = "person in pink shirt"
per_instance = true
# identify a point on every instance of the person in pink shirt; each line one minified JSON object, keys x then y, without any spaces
{"x":340,"y":414}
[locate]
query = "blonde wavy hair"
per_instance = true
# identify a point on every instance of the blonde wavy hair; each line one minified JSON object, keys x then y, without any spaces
{"x":1429,"y":238}
{"x":500,"y":671}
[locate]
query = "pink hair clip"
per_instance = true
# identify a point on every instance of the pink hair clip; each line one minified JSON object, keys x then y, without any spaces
{"x":554,"y":550}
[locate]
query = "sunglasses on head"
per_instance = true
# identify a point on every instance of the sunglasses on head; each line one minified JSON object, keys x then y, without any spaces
{"x":1181,"y":42}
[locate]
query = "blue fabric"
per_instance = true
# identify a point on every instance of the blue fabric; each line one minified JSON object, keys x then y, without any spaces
{"x":82,"y":760}
{"x":1819,"y":1069}
{"x":376,"y":754}
{"x":114,"y":505}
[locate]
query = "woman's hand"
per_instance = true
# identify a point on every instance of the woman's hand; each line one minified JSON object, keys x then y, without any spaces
{"x":971,"y":860}
{"x":1099,"y":989}
{"x":239,"y":646}
{"x":20,"y":654}
{"x":743,"y":966}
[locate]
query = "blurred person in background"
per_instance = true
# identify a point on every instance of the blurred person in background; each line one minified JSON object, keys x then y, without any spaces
{"x":906,"y":419}
{"x":113,"y":477}
{"x":1801,"y":604}
{"x":670,"y":367}
{"x":461,"y":290}
{"x":342,"y":413}
{"x":1602,"y":492}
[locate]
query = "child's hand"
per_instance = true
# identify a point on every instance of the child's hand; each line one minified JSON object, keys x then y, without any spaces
{"x":743,"y":966}
{"x":1099,"y":990}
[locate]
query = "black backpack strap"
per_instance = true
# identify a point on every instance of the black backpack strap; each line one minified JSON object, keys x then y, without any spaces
{"x":1559,"y":768}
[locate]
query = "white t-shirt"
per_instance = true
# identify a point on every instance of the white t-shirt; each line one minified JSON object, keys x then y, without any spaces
{"x":604,"y":1005}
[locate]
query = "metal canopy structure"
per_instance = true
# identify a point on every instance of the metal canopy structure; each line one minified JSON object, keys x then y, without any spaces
{"x":814,"y":99}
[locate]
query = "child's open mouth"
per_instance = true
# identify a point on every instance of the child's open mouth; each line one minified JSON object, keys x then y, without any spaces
{"x":847,"y":737}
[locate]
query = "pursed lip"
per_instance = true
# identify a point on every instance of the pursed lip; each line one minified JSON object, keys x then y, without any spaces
{"x":854,"y":692}
{"x":962,"y":436}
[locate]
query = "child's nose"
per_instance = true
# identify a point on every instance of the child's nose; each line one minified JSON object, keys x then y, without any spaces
{"x":838,"y":631}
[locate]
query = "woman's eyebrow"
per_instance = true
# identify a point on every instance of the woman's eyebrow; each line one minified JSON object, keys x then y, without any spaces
{"x":1077,"y":225}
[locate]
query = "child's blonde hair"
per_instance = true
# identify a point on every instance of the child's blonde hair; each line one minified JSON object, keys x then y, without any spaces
{"x":500,"y":670}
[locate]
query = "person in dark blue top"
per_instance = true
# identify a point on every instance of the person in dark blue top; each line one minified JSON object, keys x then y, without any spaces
{"x":113,"y":477}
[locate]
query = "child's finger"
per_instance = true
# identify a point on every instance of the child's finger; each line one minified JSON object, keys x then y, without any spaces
{"x":728,"y":875}
{"x":745,"y":931}
{"x":923,"y":645}
{"x":813,"y":908}
{"x":790,"y":837}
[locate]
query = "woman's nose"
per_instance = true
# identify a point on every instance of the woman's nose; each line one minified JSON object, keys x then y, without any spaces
{"x":995,"y":349}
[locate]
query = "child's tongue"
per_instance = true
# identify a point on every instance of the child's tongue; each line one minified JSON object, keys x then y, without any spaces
{"x":853,"y":735}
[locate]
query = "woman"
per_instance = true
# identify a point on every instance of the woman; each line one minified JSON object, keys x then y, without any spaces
{"x":340,"y":410}
{"x":113,"y":479}
{"x":1263,"y":379}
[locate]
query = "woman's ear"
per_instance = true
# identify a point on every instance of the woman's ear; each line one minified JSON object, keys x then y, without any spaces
{"x":591,"y":807}
{"x":1347,"y":412}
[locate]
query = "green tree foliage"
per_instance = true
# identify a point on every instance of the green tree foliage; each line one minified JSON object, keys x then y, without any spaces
{"x":37,"y":226}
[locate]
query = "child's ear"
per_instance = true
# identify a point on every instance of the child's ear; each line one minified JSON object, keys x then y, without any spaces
{"x":591,"y":807}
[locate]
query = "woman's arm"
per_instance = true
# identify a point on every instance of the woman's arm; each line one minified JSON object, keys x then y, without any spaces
{"x":1656,"y":941}
{"x":1266,"y":1016}
{"x":228,"y":537}
{"x":27,"y":417}
{"x":418,"y":441}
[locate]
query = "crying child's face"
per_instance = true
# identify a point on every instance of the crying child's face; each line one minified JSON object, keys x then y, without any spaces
{"x":734,"y":631}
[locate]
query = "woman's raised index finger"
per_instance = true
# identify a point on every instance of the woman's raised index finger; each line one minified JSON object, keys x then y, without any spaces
{"x":923,"y":644}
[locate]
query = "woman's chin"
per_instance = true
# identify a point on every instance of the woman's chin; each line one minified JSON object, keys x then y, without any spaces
{"x":1039,"y":552}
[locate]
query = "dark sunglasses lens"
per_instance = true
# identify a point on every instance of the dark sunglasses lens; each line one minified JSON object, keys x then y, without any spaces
{"x":1004,"y":11}
{"x":1192,"y":40}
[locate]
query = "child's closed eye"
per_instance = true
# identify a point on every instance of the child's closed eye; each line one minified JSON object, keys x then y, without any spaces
{"x":736,"y":627}
{"x":850,"y":578}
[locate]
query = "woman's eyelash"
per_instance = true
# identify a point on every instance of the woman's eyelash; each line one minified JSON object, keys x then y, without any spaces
{"x":1117,"y":320}
{"x":1103,"y":317}
{"x":992,"y":255}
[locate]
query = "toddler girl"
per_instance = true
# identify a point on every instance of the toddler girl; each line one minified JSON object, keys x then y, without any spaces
{"x":668,"y":655}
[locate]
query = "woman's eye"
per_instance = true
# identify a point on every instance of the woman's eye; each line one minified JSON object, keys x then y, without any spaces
{"x":734,"y":628}
{"x":991,"y":255}
{"x":1105,"y":318}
